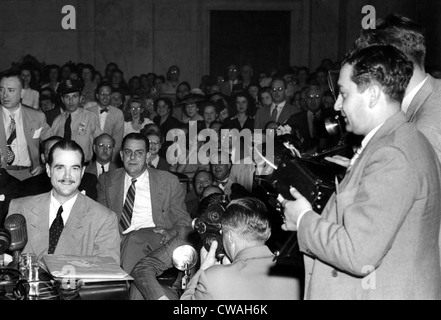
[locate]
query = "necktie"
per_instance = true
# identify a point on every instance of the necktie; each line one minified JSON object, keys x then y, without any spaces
{"x":13,"y":134}
{"x":67,"y":129}
{"x":104,"y":110}
{"x":55,"y":231}
{"x":354,"y":157}
{"x":274,"y":114}
{"x":102,"y":169}
{"x":126,"y":217}
{"x":315,"y":124}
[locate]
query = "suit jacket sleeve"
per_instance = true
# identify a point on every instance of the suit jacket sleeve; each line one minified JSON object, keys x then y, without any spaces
{"x":180,"y":217}
{"x":107,"y":241}
{"x":101,"y":191}
{"x":197,"y":288}
{"x":371,"y":215}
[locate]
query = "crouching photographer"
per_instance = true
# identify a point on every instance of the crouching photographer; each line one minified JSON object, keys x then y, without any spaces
{"x":245,"y":229}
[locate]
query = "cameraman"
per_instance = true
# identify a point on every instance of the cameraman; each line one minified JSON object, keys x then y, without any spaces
{"x":245,"y":229}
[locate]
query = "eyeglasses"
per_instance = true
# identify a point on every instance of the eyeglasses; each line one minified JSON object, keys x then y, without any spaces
{"x":102,"y":146}
{"x":232,"y":70}
{"x":138,"y":153}
{"x":277,"y":89}
{"x":104,"y":94}
{"x":314,"y":96}
{"x":136,"y":108}
{"x":149,"y":104}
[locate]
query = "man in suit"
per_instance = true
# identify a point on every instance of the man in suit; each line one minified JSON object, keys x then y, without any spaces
{"x":310,"y":124}
{"x":245,"y":230}
{"x":233,"y":79}
{"x":63,"y":221}
{"x":103,"y":147}
{"x":422,"y":100}
{"x":149,"y":203}
{"x":280,"y":110}
{"x":21,"y":130}
{"x":111,"y":118}
{"x":75,"y":123}
{"x":377,"y":237}
{"x":42,"y":183}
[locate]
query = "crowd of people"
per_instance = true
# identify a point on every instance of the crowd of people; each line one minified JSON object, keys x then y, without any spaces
{"x":98,"y":166}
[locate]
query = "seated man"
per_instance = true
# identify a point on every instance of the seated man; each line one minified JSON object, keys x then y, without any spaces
{"x":87,"y":228}
{"x":245,"y":229}
{"x":103,"y":147}
{"x":42,"y":183}
{"x":201,"y":179}
{"x":149,"y":268}
{"x":149,"y":203}
{"x":225,"y":173}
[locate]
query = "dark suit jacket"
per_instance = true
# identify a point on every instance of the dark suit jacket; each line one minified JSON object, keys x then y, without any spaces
{"x":91,"y":229}
{"x":42,"y":183}
{"x":91,"y":168}
{"x":170,"y":123}
{"x":263,"y":115}
{"x":52,"y":114}
{"x":167,"y":195}
{"x":323,"y":140}
{"x":384,"y":220}
{"x":9,"y":189}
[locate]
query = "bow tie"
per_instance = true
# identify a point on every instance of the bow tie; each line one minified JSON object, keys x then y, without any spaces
{"x":104,"y":110}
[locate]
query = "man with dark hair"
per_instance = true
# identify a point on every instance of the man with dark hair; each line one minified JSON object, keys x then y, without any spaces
{"x":87,"y":228}
{"x":281,"y":109}
{"x":21,"y":130}
{"x":42,"y":183}
{"x":111,"y":118}
{"x":77,"y":124}
{"x":377,"y":237}
{"x":149,"y":203}
{"x":422,"y":98}
{"x":245,"y":230}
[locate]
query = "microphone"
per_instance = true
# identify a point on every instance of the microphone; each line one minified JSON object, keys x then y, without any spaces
{"x":16,"y":225}
{"x":5,"y":240}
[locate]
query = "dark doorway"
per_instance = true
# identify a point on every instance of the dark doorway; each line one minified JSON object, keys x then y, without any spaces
{"x":261,"y":38}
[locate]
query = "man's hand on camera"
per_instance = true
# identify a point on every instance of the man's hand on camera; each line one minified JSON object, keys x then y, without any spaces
{"x":293,"y":210}
{"x":208,"y":259}
{"x":340,"y":160}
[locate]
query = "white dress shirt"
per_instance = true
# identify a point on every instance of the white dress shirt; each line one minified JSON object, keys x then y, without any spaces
{"x":142,"y":207}
{"x":55,"y":205}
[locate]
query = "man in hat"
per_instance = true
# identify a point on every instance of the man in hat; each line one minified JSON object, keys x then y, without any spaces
{"x":77,"y":124}
{"x":21,"y":130}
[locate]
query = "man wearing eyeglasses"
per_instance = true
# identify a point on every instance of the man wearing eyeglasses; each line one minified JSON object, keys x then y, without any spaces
{"x":75,"y":123}
{"x":111,"y":118}
{"x":281,"y":109}
{"x":149,"y":203}
{"x":103,"y":147}
{"x":233,"y":79}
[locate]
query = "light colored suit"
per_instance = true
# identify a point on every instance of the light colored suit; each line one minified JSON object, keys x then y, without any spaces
{"x":386,"y":216}
{"x":85,"y":127}
{"x":35,"y":129}
{"x":166,"y":193}
{"x":114,"y":124}
{"x":425,"y":112}
{"x":91,"y":228}
{"x":247,"y":278}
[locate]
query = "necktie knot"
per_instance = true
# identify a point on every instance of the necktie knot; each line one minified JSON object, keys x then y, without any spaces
{"x":104,"y":110}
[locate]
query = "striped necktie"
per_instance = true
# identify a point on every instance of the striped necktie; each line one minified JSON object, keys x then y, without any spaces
{"x":126,"y":217}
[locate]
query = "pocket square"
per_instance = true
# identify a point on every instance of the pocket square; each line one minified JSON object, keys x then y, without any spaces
{"x":2,"y":197}
{"x":37,"y":133}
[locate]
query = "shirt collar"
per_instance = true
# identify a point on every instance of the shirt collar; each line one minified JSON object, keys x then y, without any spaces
{"x":409,"y":97}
